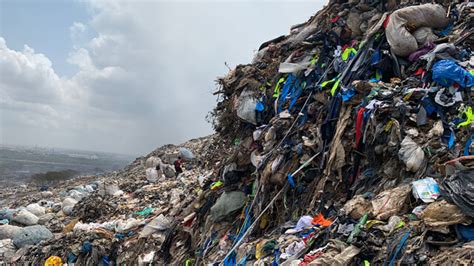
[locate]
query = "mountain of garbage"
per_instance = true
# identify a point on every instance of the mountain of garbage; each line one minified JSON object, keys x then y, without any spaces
{"x":347,"y":142}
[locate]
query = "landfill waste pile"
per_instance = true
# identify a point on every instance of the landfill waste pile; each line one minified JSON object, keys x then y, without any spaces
{"x":348,"y":141}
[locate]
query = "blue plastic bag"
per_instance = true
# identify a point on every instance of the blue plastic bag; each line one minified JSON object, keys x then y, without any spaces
{"x":446,"y":72}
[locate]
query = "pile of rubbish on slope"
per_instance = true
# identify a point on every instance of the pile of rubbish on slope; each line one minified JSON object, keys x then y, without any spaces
{"x":348,"y":141}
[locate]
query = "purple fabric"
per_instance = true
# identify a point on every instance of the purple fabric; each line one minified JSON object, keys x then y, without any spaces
{"x":422,"y":51}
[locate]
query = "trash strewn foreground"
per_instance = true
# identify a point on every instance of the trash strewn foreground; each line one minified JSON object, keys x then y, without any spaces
{"x":348,"y":141}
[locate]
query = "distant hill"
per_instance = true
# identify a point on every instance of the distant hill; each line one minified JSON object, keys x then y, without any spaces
{"x":19,"y":164}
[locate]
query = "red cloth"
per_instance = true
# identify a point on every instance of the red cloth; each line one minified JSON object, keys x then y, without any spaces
{"x":360,"y":119}
{"x":385,"y":23}
{"x":309,"y":258}
{"x":419,"y":71}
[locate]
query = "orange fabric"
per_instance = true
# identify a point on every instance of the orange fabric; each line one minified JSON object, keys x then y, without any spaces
{"x":319,"y":219}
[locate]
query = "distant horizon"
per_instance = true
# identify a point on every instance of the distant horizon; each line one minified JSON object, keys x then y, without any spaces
{"x":64,"y":149}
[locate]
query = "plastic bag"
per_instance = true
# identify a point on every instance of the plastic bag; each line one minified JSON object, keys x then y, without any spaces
{"x":25,"y":217}
{"x":446,"y":72}
{"x":411,"y":154}
{"x":68,"y":205}
{"x":152,"y":162}
{"x":7,"y":251}
{"x":7,"y":231}
{"x":36,"y":209}
{"x":400,"y":39}
{"x":77,"y":195}
{"x":114,"y":190}
{"x":426,"y":189}
{"x":160,"y":223}
{"x":390,"y":202}
{"x":424,"y":35}
{"x":227,"y":203}
{"x":186,"y":154}
{"x":124,"y":226}
{"x":31,"y":235}
{"x":246,"y":105}
{"x":168,"y":170}
{"x":459,"y":189}
{"x":151,"y":175}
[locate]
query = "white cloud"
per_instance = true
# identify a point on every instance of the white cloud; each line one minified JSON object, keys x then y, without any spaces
{"x":145,"y":76}
{"x":28,"y":76}
{"x":77,"y":31}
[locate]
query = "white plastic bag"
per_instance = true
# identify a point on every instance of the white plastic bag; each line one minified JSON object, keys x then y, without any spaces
{"x":160,"y":223}
{"x":186,"y":154}
{"x":426,"y":189}
{"x":7,"y":231}
{"x":36,"y":209}
{"x":151,"y":175}
{"x":7,"y":250}
{"x":246,"y":105}
{"x":152,"y":162}
{"x":68,"y":205}
{"x":25,"y":217}
{"x":77,"y":195}
{"x":124,"y":226}
{"x":411,"y":154}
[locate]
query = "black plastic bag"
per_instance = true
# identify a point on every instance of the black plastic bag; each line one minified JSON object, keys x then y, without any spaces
{"x":459,"y":189}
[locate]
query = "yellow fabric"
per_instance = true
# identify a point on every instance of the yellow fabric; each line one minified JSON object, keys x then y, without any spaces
{"x":469,"y":117}
{"x":276,"y":92}
{"x":216,"y":185}
{"x":314,"y":60}
{"x":388,"y":126}
{"x":327,"y":82}
{"x":408,"y":96}
{"x":371,"y":223}
{"x":400,"y":224}
{"x":53,"y":261}
{"x":258,"y":249}
{"x":345,"y":55}
{"x":335,"y":86}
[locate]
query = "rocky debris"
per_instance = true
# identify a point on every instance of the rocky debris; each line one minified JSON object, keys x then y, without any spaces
{"x":348,"y":141}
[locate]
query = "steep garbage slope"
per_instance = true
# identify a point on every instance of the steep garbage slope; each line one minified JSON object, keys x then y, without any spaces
{"x":348,"y":141}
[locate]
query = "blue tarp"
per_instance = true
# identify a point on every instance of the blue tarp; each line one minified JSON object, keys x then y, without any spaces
{"x":446,"y":72}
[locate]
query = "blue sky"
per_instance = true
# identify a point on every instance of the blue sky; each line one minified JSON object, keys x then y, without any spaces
{"x":43,"y":25}
{"x":125,"y":76}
